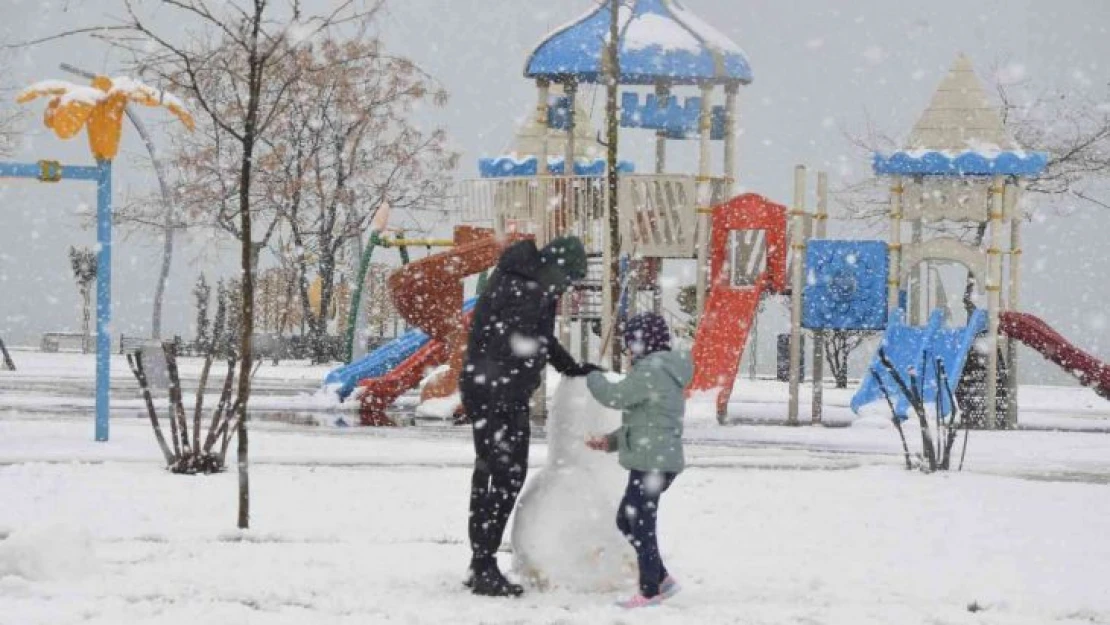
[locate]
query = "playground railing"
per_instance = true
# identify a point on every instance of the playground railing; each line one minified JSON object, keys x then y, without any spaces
{"x":658,"y":211}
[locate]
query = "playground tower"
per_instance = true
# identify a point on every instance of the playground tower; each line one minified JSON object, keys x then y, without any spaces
{"x":959,"y":166}
{"x":662,"y":47}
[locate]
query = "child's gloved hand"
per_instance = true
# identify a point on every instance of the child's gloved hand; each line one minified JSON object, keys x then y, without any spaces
{"x":598,"y":443}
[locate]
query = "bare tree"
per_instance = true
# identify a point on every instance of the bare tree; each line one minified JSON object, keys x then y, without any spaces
{"x":839,"y":345}
{"x":202,"y":297}
{"x":10,"y":116}
{"x":348,"y":144}
{"x":83,"y":263}
{"x":231,"y":59}
{"x":379,"y":310}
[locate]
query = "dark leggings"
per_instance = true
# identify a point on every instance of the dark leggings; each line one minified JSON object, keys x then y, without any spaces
{"x":636,"y":519}
{"x":501,"y":436}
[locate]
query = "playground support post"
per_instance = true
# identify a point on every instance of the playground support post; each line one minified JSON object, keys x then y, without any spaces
{"x":704,"y":196}
{"x":1013,"y":304}
{"x":994,"y":287}
{"x":916,"y":298}
{"x":797,"y":246}
{"x":543,"y":95}
{"x":895,"y":247}
{"x":570,"y":89}
{"x":101,"y":174}
{"x":732,"y":91}
{"x":103,"y":295}
{"x":820,"y":229}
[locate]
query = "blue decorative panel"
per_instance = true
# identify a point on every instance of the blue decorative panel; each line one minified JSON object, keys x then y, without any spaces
{"x":510,"y":166}
{"x":963,"y":164}
{"x":679,"y":121}
{"x":845,"y":285}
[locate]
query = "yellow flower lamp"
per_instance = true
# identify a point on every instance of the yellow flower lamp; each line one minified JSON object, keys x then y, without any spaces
{"x":99,"y":109}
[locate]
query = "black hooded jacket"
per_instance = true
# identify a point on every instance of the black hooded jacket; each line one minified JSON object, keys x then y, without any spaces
{"x":512,"y":331}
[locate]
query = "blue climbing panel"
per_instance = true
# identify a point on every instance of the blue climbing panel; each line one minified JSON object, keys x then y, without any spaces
{"x":845,"y":285}
{"x":916,"y":349}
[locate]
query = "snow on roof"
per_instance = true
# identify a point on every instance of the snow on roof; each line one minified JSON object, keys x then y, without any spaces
{"x":660,"y":41}
{"x":651,"y":29}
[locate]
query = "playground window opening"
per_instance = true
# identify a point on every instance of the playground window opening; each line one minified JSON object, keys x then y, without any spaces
{"x":747,"y":257}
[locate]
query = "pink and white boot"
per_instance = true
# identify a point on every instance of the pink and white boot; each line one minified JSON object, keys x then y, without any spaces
{"x":667,"y":588}
{"x":639,"y":601}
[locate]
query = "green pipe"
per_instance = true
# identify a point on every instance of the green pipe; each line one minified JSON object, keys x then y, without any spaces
{"x":356,"y":300}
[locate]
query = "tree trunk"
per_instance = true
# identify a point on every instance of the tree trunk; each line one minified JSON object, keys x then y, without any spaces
{"x":612,"y":129}
{"x":9,"y":364}
{"x":85,"y":317}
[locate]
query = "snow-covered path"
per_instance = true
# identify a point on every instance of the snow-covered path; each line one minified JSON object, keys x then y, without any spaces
{"x":770,"y":525}
{"x":814,"y":525}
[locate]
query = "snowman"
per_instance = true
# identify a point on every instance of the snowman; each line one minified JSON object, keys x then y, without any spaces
{"x":564,"y":534}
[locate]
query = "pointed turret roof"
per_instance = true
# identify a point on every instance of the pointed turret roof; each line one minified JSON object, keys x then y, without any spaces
{"x":960,"y":134}
{"x":960,"y":117}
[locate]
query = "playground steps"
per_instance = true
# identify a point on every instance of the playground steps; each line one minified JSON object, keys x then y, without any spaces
{"x":971,"y":392}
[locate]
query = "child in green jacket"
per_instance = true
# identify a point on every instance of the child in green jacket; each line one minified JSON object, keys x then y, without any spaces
{"x":652,"y":400}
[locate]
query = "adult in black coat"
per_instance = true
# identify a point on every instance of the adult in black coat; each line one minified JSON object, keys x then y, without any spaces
{"x":511,"y":342}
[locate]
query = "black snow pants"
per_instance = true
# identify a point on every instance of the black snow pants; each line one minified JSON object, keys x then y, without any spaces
{"x":501,"y":436}
{"x":636,"y":519}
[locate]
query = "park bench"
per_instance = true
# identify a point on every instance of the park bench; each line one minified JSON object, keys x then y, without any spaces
{"x":53,"y":341}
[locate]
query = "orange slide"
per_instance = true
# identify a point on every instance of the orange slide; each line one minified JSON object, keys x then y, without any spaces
{"x":429,"y":295}
{"x":1040,"y":336}
{"x":732,"y":305}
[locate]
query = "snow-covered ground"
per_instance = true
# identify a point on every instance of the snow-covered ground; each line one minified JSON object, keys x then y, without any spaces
{"x":349,"y":525}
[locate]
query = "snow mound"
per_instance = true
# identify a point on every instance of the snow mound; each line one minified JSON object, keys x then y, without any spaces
{"x":47,"y":553}
{"x":439,"y":407}
{"x":564,"y":534}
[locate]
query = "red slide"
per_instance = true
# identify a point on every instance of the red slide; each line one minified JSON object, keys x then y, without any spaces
{"x":731,"y":308}
{"x":1037,"y":334}
{"x":429,"y":295}
{"x":721,"y":338}
{"x":380,"y":393}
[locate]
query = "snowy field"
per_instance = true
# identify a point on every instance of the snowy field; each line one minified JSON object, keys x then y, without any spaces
{"x":810,"y":525}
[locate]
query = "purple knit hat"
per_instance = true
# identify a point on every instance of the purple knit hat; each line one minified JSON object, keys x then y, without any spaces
{"x":646,"y":334}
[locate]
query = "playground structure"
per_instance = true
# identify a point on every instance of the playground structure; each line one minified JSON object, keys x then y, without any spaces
{"x":959,"y":167}
{"x":532,"y":192}
{"x":99,"y":110}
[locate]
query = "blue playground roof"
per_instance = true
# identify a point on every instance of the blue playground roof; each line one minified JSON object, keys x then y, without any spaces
{"x":660,"y":41}
{"x":970,"y":163}
{"x":512,"y":166}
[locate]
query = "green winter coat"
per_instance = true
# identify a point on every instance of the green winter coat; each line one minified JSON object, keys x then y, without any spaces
{"x":652,"y":402}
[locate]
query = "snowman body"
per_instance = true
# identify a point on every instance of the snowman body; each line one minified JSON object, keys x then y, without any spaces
{"x":564,"y":534}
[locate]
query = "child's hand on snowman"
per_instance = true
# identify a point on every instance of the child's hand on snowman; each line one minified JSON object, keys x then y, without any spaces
{"x":598,"y":443}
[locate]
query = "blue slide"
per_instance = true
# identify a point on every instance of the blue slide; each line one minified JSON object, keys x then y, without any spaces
{"x":382,"y":360}
{"x":917,"y":349}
